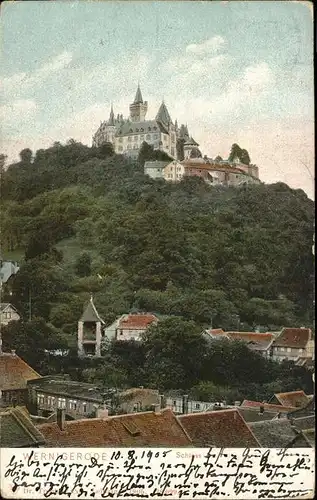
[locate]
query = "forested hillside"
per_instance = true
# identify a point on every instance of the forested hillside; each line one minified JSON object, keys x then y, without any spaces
{"x":82,"y":220}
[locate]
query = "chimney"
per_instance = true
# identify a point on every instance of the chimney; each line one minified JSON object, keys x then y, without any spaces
{"x":162,"y":401}
{"x":156,"y":408}
{"x":60,"y":418}
{"x":185,"y":404}
{"x":261,"y":410}
{"x":102,"y":412}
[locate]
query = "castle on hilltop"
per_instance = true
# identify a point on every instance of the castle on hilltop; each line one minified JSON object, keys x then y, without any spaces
{"x":128,"y":134}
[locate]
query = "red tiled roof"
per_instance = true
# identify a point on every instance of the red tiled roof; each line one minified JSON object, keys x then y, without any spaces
{"x":137,"y":429}
{"x":221,"y":429}
{"x":14,"y":372}
{"x":212,"y":167}
{"x":216,"y":331}
{"x":293,"y":337}
{"x":263,"y":340}
{"x":296,"y":399}
{"x":267,"y":406}
{"x":137,"y":321}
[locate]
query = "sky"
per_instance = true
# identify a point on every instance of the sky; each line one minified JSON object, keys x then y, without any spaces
{"x":235,"y":72}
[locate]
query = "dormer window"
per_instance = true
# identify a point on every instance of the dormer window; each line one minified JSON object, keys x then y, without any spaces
{"x":131,"y":131}
{"x":137,"y":130}
{"x":142,"y":129}
{"x":149,"y":129}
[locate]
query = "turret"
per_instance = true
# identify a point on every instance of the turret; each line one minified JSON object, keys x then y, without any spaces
{"x":138,"y":108}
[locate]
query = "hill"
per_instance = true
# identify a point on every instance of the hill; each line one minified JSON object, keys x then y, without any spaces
{"x":86,"y":220}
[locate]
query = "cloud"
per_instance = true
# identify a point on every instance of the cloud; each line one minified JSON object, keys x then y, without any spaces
{"x":212,"y":45}
{"x":22,"y":81}
{"x":20,"y":110}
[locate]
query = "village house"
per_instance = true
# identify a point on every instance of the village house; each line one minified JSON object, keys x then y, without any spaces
{"x":14,"y":375}
{"x":258,"y":342}
{"x":8,"y":313}
{"x":17,"y":430}
{"x":8,"y":269}
{"x":292,"y":344}
{"x":264,"y":406}
{"x":51,"y":392}
{"x":295,"y":399}
{"x":90,"y":332}
{"x":159,"y":428}
{"x":219,"y":429}
{"x":132,"y":325}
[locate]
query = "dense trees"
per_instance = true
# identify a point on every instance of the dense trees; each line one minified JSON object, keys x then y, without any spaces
{"x":241,"y":154}
{"x":86,"y":220}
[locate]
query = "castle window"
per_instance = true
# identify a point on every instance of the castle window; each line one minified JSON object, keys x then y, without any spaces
{"x":129,"y":138}
{"x":135,"y":137}
{"x":137,"y":130}
{"x":148,"y":136}
{"x":155,"y":136}
{"x":131,"y":131}
{"x":142,"y":137}
{"x":142,"y":129}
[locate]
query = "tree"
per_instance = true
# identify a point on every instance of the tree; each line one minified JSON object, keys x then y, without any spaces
{"x":106,"y":150}
{"x":26,"y":156}
{"x":218,"y":159}
{"x":83,"y":265}
{"x":30,"y":339}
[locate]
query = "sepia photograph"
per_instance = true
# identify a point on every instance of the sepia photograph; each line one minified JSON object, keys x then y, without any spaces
{"x":157,"y":236}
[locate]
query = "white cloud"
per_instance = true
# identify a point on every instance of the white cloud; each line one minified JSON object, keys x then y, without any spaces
{"x":212,"y":45}
{"x":20,"y":110}
{"x":20,"y":82}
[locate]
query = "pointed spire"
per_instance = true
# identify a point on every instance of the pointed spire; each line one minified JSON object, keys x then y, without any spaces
{"x":111,"y":117}
{"x":138,"y":96}
{"x":163,"y":115}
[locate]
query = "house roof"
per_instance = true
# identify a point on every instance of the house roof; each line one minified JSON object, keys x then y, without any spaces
{"x":278,"y":433}
{"x":221,"y":428}
{"x":297,"y":399}
{"x":17,"y":430}
{"x":135,"y":430}
{"x":90,"y":314}
{"x":293,"y":337}
{"x":216,"y":331}
{"x":145,"y":396}
{"x":252,"y":414}
{"x":63,"y":386}
{"x":305,"y":423}
{"x":14,"y":372}
{"x":136,"y":321}
{"x":156,"y":164}
{"x":257,"y":341}
{"x":5,"y":305}
{"x":267,"y":406}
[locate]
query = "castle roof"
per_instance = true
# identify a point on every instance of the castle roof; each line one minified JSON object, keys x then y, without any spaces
{"x":191,"y":142}
{"x":144,"y":127}
{"x":163,"y":115}
{"x":138,"y":96}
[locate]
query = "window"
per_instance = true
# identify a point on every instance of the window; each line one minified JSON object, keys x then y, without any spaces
{"x":148,"y":136}
{"x":178,"y":169}
{"x":120,"y":139}
{"x":289,"y":349}
{"x":7,"y":315}
{"x":72,"y":404}
{"x":197,"y":406}
{"x":142,"y":129}
{"x":135,"y":137}
{"x":142,"y":137}
{"x":40,"y":399}
{"x":156,"y":136}
{"x":300,"y":351}
{"x":129,"y":138}
{"x":149,"y":129}
{"x":282,"y":349}
{"x":84,"y":407}
{"x":61,"y":403}
{"x":131,"y":131}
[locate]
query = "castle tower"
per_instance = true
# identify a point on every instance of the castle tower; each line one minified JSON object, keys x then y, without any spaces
{"x":89,"y":332}
{"x":138,"y":108}
{"x":190,"y":146}
{"x":163,"y":116}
